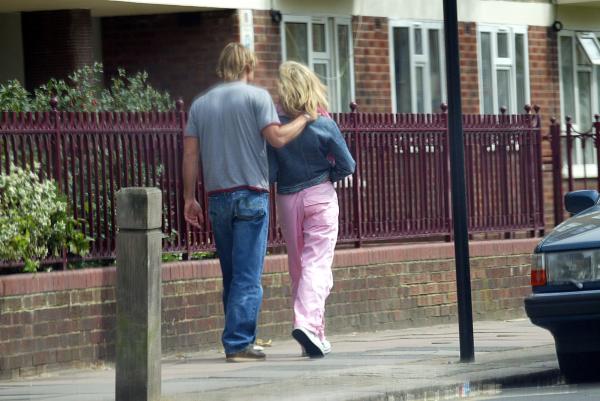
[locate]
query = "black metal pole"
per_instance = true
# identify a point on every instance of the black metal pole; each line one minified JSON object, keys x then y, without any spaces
{"x":457,"y":173}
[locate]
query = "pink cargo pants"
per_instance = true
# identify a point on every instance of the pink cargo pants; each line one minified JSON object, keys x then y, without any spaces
{"x":309,"y":223}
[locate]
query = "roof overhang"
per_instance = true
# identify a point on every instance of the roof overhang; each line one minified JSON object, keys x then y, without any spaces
{"x":102,"y":8}
{"x":582,"y":3}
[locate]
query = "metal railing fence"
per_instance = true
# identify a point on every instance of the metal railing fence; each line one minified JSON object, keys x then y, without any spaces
{"x":400,"y":189}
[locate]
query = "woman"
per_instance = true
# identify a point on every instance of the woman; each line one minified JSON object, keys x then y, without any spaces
{"x":305,"y":170}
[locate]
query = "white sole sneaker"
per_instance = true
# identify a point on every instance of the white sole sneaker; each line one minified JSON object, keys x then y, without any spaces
{"x":326,"y":346}
{"x":311,"y":344}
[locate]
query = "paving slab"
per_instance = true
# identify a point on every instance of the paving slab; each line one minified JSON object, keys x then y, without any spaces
{"x":384,"y":365}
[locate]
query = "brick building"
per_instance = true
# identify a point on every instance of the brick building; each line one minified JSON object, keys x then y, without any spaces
{"x":387,"y":55}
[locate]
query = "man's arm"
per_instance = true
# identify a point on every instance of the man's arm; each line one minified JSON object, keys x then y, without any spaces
{"x":192,"y":210}
{"x":280,"y":135}
{"x":190,"y":166}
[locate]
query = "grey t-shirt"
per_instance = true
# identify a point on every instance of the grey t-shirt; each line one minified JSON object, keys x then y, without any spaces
{"x":228,"y":120}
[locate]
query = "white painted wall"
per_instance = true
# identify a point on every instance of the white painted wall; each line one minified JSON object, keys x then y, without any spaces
{"x":247,"y":4}
{"x":579,"y":18}
{"x":311,"y":7}
{"x":484,"y":11}
{"x":11,"y":48}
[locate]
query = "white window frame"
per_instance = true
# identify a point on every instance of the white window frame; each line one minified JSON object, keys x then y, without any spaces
{"x":503,"y":63}
{"x":579,"y":169}
{"x":347,"y":21}
{"x":330,"y":57}
{"x":418,"y":60}
{"x":593,"y":58}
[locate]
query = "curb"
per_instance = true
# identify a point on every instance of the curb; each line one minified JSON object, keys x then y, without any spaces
{"x":546,"y":377}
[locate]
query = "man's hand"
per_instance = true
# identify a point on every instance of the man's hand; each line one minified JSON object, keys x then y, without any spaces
{"x":192,"y":211}
{"x":193,"y":214}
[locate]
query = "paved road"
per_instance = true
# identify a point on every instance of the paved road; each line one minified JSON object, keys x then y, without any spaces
{"x":553,"y":393}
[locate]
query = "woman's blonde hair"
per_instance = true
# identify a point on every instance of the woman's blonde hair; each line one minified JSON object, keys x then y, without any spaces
{"x":233,"y":61}
{"x":300,"y":90}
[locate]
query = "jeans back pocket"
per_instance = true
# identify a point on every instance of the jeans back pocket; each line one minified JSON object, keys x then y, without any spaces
{"x":252,"y":206}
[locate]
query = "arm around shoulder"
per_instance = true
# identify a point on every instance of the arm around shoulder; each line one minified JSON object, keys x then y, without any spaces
{"x":280,"y":135}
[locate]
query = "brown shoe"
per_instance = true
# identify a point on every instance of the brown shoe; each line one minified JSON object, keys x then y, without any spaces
{"x":248,"y":354}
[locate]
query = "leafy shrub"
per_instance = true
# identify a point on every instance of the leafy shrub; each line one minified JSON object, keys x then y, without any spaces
{"x":78,"y":93}
{"x":178,"y":256}
{"x":134,"y":94}
{"x":34,"y":220}
{"x":14,"y":97}
{"x":83,"y":91}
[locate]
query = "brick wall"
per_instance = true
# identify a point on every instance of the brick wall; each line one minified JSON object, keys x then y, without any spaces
{"x":179,"y":51}
{"x":55,"y":43}
{"x":469,"y":75}
{"x":543,"y":71}
{"x":267,"y":46}
{"x":371,"y":59}
{"x":371,"y":64}
{"x":65,"y":319}
{"x":545,"y":91}
{"x":188,"y":46}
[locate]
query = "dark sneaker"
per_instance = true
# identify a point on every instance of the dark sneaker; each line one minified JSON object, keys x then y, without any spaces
{"x":309,"y":342}
{"x":326,"y":348}
{"x":248,"y":354}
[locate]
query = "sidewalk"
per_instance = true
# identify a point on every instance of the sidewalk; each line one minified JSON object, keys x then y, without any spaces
{"x":362,"y":366}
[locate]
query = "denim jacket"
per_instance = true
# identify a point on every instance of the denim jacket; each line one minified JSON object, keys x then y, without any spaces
{"x":318,"y":154}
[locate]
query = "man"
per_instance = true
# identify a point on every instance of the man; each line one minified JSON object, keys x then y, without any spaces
{"x":229,"y":125}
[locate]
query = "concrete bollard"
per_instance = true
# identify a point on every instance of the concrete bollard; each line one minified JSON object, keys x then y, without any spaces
{"x":139,"y":247}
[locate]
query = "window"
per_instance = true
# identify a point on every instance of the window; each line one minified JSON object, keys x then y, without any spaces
{"x":579,"y":56}
{"x":590,"y":46}
{"x":417,"y":66}
{"x":325,"y":45}
{"x":503,"y":69}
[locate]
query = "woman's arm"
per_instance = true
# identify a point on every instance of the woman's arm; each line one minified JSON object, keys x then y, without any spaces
{"x":344,"y":163}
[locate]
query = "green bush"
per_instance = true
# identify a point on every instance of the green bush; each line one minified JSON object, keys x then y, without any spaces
{"x":134,"y":94}
{"x":13,"y":97}
{"x":83,"y":91}
{"x":35,"y":221}
{"x":78,"y":93}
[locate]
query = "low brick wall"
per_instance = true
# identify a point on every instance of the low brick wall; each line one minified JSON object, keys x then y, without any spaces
{"x":65,"y":319}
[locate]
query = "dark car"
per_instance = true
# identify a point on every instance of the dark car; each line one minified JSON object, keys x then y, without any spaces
{"x":565,"y":279}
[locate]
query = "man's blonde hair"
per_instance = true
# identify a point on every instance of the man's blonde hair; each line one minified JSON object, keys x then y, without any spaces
{"x":234,"y":59}
{"x":300,"y":90}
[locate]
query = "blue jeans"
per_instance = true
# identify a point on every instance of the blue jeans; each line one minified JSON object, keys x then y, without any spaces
{"x":240,"y":223}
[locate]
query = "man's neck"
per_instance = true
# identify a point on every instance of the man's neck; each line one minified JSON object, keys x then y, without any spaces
{"x":243,"y":80}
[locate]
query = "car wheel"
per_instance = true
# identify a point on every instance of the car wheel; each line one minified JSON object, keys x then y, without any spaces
{"x":579,"y":367}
